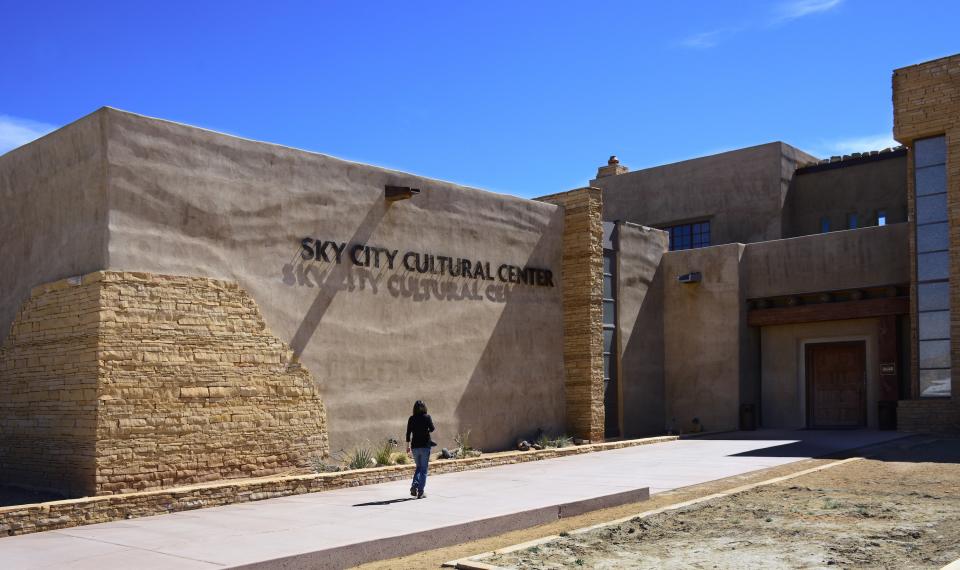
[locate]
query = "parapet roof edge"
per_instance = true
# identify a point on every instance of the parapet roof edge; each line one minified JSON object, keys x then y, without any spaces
{"x":701,"y":157}
{"x":855,"y":159}
{"x":109,"y":109}
{"x":927,"y":62}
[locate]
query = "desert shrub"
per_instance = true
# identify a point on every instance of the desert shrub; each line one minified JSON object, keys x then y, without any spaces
{"x":560,"y":441}
{"x":384,"y":453}
{"x":401,"y":459}
{"x":360,"y":458}
{"x":464,"y":449}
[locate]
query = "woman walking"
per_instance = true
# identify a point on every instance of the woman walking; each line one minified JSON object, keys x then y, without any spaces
{"x":419,"y":427}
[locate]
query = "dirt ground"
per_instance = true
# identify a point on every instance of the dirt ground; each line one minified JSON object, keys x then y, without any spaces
{"x":434,"y":558}
{"x":899,"y":509}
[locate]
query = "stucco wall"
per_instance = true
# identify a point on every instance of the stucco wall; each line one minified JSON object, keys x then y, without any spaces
{"x":867,"y":257}
{"x":741,"y":192}
{"x":52,"y":212}
{"x":704,"y":330}
{"x":863,"y":188}
{"x":640,"y":328}
{"x":484,"y":355}
{"x":783,"y":380}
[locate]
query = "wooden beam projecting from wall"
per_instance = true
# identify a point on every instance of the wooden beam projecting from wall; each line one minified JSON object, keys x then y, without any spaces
{"x":828,"y":312}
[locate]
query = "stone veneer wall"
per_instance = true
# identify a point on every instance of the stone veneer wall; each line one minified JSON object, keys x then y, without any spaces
{"x":582,"y":268}
{"x":926,"y":103}
{"x":181,"y":383}
{"x":48,"y":391}
{"x":937,"y":416}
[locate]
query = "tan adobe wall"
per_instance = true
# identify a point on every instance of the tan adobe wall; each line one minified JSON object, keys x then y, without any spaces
{"x":53,"y":212}
{"x":704,"y":329}
{"x":484,"y":353}
{"x":48,"y":391}
{"x":640,"y":328}
{"x":183,"y":384}
{"x":582,"y":265}
{"x":741,"y":192}
{"x":926,"y":103}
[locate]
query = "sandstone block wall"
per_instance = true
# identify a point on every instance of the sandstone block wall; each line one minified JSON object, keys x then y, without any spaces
{"x":926,"y":103}
{"x":152,"y":381}
{"x":582,"y":265}
{"x":936,"y":416}
{"x":48,"y":391}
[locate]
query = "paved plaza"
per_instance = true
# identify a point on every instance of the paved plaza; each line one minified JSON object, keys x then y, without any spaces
{"x":348,"y":526}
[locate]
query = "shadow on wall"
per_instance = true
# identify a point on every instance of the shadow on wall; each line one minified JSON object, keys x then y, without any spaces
{"x":334,"y":281}
{"x":642,"y":385}
{"x":398,"y":283}
{"x":517,"y":381}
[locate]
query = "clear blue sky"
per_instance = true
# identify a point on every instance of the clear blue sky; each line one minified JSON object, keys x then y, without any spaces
{"x":526,"y":98}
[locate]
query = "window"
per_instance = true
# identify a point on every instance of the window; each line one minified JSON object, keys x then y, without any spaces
{"x":610,"y":390}
{"x":933,"y":266}
{"x":689,"y":236}
{"x":824,"y":225}
{"x":852,"y":221}
{"x":881,"y":217}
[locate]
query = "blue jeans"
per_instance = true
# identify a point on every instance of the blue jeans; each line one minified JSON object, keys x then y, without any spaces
{"x":421,"y":457}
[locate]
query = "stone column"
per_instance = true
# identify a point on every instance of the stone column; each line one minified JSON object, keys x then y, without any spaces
{"x":926,"y":103}
{"x":582,"y":282}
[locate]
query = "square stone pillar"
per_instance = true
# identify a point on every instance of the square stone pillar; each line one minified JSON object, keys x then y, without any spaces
{"x":582,"y":282}
{"x":926,"y":103}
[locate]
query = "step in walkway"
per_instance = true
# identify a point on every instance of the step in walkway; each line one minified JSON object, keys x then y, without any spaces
{"x":335,"y":529}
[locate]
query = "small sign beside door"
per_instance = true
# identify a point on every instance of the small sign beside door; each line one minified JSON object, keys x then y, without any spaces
{"x":888,"y":369}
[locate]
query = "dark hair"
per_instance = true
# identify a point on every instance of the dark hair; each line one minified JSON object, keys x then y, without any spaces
{"x":419,"y":408}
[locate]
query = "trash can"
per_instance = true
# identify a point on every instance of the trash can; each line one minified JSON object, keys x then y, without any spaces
{"x":748,"y":417}
{"x":887,"y":414}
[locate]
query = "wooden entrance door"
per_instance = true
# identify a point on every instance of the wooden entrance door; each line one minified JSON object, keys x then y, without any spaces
{"x":836,"y":385}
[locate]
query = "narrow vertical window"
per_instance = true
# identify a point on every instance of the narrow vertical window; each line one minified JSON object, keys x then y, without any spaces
{"x":824,"y":225}
{"x":852,"y":221}
{"x":610,"y":389}
{"x":933,"y":267}
{"x":881,"y":217}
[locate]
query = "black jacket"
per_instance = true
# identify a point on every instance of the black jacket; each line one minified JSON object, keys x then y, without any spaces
{"x":419,"y":426}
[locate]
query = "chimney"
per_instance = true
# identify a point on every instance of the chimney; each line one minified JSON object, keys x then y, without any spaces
{"x":612,"y":168}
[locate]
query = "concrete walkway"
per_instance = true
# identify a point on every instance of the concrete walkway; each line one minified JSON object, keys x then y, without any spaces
{"x":348,"y":526}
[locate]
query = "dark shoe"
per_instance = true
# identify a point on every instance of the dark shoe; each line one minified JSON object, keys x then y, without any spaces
{"x":420,"y":494}
{"x":413,"y":491}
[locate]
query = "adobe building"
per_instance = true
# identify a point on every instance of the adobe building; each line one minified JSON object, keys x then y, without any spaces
{"x":179,"y":305}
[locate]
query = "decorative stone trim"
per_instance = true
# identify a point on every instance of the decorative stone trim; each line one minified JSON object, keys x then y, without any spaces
{"x":582,"y":267}
{"x":38,"y":517}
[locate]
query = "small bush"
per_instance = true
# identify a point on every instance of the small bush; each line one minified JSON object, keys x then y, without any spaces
{"x":360,"y":458}
{"x":401,"y":459}
{"x":463,"y":443}
{"x":563,"y":441}
{"x":560,"y":441}
{"x":464,"y":449}
{"x":384,"y":453}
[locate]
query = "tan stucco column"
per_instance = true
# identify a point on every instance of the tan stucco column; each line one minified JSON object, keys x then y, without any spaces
{"x":582,"y":282}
